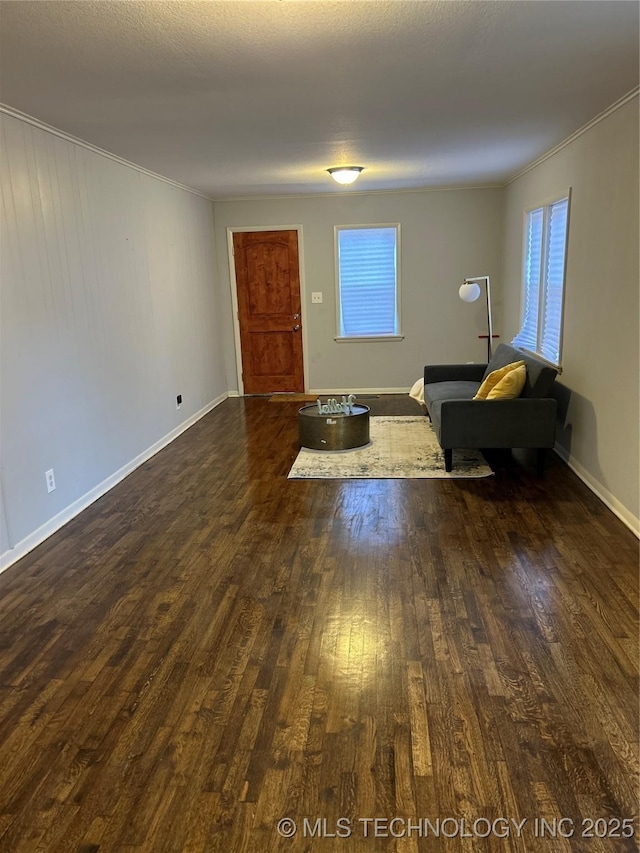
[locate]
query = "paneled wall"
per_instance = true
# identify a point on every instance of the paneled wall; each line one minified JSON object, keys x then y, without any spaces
{"x":108,"y":312}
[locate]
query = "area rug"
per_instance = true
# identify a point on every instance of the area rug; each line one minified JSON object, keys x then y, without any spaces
{"x":400,"y":447}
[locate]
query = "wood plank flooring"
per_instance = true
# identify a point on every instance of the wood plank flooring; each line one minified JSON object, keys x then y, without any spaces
{"x":210,"y":649}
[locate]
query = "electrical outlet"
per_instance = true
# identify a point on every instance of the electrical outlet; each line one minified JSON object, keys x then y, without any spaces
{"x":178,"y":401}
{"x":316,"y":297}
{"x":51,"y":480}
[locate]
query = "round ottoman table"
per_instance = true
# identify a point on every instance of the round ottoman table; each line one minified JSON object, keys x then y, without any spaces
{"x":333,"y":432}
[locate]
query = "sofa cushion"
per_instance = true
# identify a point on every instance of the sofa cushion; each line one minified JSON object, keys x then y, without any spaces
{"x":454,"y":390}
{"x":510,"y":386}
{"x":496,"y":376}
{"x":540,"y":376}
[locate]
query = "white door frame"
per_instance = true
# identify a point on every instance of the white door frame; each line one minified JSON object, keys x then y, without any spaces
{"x":234,"y":229}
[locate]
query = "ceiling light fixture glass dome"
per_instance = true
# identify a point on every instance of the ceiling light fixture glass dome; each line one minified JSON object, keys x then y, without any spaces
{"x":345,"y":174}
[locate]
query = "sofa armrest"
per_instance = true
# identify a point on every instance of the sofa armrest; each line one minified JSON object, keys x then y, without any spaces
{"x":453,"y":372}
{"x":524,"y":422}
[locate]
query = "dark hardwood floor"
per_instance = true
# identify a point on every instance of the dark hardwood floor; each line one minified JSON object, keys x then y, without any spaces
{"x":211,"y":648}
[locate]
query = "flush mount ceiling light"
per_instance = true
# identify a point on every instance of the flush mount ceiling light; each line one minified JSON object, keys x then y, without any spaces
{"x":345,"y":174}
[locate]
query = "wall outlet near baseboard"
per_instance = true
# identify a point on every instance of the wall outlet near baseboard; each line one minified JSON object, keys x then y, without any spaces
{"x":178,"y":401}
{"x":51,"y":480}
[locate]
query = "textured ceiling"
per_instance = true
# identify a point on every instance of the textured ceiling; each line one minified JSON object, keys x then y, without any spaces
{"x":259,"y":98}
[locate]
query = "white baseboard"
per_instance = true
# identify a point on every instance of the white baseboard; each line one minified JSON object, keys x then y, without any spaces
{"x":601,"y":492}
{"x":357,"y":391}
{"x":11,"y":556}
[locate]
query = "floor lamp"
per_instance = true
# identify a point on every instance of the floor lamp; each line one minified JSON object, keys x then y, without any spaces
{"x":469,"y":291}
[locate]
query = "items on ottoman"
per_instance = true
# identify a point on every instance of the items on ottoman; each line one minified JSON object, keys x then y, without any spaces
{"x":503,"y":404}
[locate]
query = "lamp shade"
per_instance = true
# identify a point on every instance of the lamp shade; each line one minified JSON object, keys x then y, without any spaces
{"x":345,"y":174}
{"x":469,"y":292}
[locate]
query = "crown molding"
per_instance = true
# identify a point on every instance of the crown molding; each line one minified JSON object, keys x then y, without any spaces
{"x":340,"y":195}
{"x":615,"y":106}
{"x":13,"y":113}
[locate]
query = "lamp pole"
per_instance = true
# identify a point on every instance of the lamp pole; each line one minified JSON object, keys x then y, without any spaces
{"x":469,"y":292}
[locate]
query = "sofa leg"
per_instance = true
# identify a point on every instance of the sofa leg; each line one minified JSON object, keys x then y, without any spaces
{"x":448,"y":459}
{"x":540,"y":459}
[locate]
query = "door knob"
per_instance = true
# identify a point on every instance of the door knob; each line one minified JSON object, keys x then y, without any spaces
{"x":296,"y":316}
{"x":296,"y":327}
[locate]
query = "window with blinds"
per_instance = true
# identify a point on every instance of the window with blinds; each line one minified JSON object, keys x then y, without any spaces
{"x":368,"y":281}
{"x":545,"y":252}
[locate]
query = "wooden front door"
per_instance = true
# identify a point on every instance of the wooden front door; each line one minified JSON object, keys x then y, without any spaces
{"x":268,"y":285}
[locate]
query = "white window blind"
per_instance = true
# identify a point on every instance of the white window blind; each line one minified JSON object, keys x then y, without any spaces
{"x":368,"y":281}
{"x":551,"y":307}
{"x":528,"y":336}
{"x":544,"y":275}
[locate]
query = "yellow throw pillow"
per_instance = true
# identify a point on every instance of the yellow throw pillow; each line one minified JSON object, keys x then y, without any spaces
{"x":510,"y":386}
{"x":494,"y":377}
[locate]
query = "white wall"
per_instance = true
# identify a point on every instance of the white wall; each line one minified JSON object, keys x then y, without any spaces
{"x":108,"y":312}
{"x":112,"y":303}
{"x":600,"y":409}
{"x":445,"y":236}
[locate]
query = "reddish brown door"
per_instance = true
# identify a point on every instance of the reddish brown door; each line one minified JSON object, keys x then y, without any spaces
{"x":268,"y":284}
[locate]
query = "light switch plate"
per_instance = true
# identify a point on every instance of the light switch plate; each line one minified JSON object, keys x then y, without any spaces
{"x":316,"y":297}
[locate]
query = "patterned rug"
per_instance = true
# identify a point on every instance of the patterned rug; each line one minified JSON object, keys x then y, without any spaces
{"x":400,"y":447}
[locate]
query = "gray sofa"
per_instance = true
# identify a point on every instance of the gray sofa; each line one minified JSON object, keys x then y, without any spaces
{"x":461,"y":422}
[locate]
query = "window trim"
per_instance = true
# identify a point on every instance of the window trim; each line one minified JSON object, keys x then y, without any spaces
{"x":544,"y":205}
{"x":398,"y":336}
